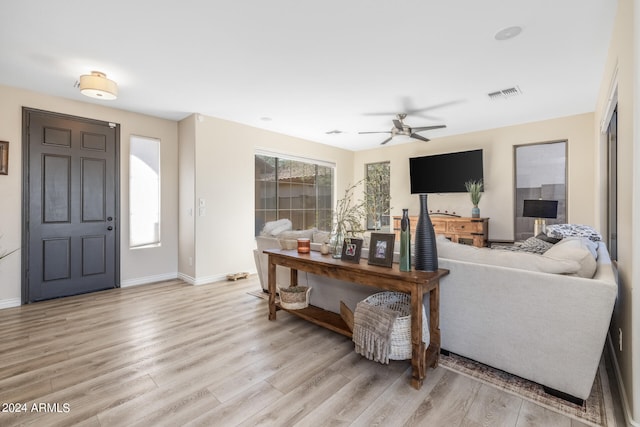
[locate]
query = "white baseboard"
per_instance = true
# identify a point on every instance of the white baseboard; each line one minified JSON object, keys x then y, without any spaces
{"x":9,"y":303}
{"x":16,"y":302}
{"x":623,"y":394}
{"x":186,"y":278}
{"x":201,"y":280}
{"x":148,"y":279}
{"x":205,"y":280}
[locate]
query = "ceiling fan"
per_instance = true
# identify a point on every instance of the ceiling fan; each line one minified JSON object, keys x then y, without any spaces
{"x":400,"y":128}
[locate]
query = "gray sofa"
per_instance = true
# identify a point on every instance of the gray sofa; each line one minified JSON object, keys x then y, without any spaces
{"x":541,"y":317}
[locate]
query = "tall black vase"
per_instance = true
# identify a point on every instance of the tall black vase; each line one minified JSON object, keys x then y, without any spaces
{"x":426,"y":251}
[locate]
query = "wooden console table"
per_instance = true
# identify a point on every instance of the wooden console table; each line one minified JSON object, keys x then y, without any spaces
{"x":415,"y":283}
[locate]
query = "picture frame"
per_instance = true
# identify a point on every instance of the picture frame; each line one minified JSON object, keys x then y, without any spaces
{"x":4,"y":158}
{"x":351,"y":249}
{"x":381,"y":249}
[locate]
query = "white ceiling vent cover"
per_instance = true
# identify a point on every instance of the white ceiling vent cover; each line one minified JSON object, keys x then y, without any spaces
{"x":505,"y":93}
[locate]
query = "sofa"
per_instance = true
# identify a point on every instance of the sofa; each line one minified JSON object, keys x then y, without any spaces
{"x":541,"y":316}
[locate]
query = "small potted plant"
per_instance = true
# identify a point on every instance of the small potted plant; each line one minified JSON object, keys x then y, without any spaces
{"x":474,"y":188}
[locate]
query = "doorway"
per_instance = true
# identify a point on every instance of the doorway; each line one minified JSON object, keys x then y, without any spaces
{"x":540,"y":173}
{"x":71,"y":202}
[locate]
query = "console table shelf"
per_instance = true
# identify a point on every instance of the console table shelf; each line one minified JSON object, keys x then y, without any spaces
{"x":414,"y":283}
{"x":326,"y":319}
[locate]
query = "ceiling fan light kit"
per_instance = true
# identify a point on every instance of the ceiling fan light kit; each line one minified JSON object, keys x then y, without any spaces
{"x":97,"y":85}
{"x":400,"y":128}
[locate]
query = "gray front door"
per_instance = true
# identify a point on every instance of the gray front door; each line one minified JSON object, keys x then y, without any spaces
{"x":70,"y":185}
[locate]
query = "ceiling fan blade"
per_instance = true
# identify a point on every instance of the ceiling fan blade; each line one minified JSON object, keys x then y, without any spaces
{"x":420,"y":137}
{"x":432,"y":107}
{"x":375,"y":132}
{"x":423,"y":128}
{"x":386,"y":140}
{"x":397,"y":123}
{"x":386,"y":113}
{"x":410,"y":110}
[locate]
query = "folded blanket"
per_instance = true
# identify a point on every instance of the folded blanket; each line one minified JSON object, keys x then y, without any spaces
{"x":372,"y":326}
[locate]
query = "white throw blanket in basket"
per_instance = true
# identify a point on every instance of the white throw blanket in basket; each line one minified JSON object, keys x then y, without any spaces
{"x":372,"y":326}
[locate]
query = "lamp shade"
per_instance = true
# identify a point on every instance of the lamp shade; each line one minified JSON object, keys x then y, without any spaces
{"x":540,"y":208}
{"x":97,"y":85}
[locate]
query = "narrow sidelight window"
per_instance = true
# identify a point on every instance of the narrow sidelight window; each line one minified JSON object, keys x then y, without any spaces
{"x":144,"y":192}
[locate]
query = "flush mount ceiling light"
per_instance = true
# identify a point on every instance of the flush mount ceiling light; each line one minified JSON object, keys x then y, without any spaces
{"x":508,"y":33}
{"x":97,"y":85}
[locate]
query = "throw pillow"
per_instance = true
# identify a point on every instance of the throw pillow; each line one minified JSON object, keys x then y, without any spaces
{"x":575,"y":249}
{"x":296,"y":234}
{"x":273,"y":228}
{"x":321,"y":237}
{"x":560,"y":231}
{"x":288,"y":244}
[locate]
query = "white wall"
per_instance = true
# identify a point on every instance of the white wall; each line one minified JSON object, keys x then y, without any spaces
{"x":137,"y":266}
{"x":223,"y":153}
{"x":497,"y":202}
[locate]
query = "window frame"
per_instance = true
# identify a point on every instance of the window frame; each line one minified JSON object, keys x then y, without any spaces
{"x":260,"y":220}
{"x":385,"y":218}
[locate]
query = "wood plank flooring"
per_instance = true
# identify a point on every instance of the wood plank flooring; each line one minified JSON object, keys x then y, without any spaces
{"x":172,"y":354}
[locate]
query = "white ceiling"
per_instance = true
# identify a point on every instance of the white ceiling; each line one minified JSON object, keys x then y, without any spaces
{"x":314,"y":67}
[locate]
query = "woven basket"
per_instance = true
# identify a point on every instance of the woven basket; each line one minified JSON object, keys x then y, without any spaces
{"x":294,"y":297}
{"x":401,"y":332}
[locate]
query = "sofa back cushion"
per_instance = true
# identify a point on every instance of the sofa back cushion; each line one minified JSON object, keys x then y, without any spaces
{"x":504,"y":258}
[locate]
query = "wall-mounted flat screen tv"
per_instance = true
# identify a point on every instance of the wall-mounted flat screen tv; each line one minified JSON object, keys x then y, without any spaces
{"x":445,"y":173}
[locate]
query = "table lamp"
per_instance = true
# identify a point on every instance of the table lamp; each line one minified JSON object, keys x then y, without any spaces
{"x":540,"y":210}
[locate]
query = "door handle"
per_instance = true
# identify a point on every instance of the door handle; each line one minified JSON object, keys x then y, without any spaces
{"x":109,"y":228}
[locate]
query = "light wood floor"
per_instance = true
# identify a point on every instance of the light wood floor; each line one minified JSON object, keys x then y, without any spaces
{"x":175,"y":354}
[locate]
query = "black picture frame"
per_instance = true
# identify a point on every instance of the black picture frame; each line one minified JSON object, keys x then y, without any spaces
{"x":351,"y":249}
{"x":381,"y":249}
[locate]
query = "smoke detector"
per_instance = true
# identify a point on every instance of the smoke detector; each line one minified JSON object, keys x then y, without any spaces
{"x":508,"y":33}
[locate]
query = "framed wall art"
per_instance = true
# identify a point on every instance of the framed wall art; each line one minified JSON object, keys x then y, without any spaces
{"x":351,"y":249}
{"x":381,"y":249}
{"x":4,"y":158}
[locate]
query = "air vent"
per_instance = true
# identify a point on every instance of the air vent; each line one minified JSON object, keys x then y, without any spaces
{"x":334,"y":132}
{"x":505,"y":93}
